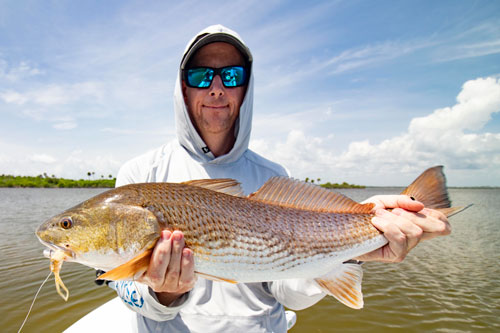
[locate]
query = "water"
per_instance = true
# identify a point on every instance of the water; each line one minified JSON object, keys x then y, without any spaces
{"x":449,"y":284}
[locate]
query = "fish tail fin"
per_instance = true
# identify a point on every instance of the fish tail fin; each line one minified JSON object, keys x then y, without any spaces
{"x":453,"y":210}
{"x":130,"y":270}
{"x":344,"y":283}
{"x":430,"y":189}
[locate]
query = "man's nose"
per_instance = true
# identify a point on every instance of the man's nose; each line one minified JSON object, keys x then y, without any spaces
{"x":217,"y":88}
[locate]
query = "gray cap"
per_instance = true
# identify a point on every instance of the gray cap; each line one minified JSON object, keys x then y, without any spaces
{"x":206,"y":38}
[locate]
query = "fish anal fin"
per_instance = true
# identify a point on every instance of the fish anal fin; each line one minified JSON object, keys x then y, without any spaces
{"x":129,"y":270}
{"x":344,"y":283}
{"x":215,"y":278}
{"x":288,"y":192}
{"x":222,"y":185}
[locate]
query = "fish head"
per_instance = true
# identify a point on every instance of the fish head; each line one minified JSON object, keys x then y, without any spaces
{"x":100,"y":233}
{"x":58,"y":232}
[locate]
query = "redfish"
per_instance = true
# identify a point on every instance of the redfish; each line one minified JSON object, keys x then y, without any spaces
{"x":287,"y":229}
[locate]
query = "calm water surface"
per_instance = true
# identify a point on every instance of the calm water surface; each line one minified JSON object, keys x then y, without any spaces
{"x":449,"y":284}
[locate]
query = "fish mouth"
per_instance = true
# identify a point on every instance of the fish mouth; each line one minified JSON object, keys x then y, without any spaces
{"x":56,"y":248}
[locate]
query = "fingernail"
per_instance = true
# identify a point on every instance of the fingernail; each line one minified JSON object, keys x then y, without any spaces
{"x":380,"y":212}
{"x":377,"y":221}
{"x":397,"y":211}
{"x":177,"y":236}
{"x":166,"y":234}
{"x":186,"y":253}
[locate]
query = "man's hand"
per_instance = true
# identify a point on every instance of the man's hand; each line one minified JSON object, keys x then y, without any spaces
{"x":404,"y":227}
{"x":171,"y":269}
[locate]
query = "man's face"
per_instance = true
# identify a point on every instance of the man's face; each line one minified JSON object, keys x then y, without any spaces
{"x":214,"y":110}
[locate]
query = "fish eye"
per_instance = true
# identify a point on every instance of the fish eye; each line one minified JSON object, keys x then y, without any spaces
{"x":66,"y":223}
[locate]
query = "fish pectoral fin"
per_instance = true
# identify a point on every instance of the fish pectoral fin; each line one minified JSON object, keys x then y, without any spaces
{"x":344,"y":283}
{"x":215,"y":278}
{"x":130,"y":270}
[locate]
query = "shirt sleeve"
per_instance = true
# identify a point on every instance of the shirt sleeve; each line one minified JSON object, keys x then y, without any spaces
{"x":296,"y":294}
{"x":141,"y":299}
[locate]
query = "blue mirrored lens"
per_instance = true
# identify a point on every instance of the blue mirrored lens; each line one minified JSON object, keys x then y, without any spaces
{"x":202,"y":77}
{"x":233,"y":76}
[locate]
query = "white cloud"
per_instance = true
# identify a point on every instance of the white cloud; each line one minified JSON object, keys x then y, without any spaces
{"x":477,"y":101}
{"x":43,"y":158}
{"x":348,"y":60}
{"x":480,"y":40}
{"x":18,"y":160}
{"x":443,"y":137}
{"x":55,"y":94}
{"x":162,"y":131}
{"x":372,"y":54}
{"x":16,"y":73}
{"x":13,"y":97}
{"x":66,"y":125}
{"x":80,"y":162}
{"x":49,"y":96}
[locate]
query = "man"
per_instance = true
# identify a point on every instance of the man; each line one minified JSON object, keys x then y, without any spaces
{"x":213,"y":107}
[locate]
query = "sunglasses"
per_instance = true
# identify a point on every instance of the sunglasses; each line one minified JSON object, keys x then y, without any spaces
{"x":202,"y":77}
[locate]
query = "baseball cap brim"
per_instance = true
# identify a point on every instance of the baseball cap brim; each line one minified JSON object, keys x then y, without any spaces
{"x":212,"y":38}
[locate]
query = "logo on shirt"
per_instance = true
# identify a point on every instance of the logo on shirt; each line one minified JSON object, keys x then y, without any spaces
{"x":128,"y":293}
{"x":205,"y":150}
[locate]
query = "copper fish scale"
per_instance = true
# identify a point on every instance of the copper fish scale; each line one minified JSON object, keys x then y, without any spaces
{"x":221,"y":227}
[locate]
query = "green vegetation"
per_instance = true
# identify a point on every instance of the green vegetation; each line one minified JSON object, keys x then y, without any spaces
{"x":335,"y":185}
{"x":343,"y":185}
{"x":52,"y":181}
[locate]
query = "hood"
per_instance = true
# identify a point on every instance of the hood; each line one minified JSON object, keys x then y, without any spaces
{"x":186,"y":133}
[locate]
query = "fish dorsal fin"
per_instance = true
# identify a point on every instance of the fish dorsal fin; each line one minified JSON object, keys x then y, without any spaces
{"x":130,"y":270}
{"x":430,"y":188}
{"x":288,"y":192}
{"x":223,"y":185}
{"x":344,"y":283}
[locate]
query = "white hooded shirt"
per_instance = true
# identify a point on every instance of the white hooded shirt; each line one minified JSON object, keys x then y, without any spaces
{"x":212,"y":306}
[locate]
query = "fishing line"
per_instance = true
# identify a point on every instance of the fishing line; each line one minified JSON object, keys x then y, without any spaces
{"x":32,"y":303}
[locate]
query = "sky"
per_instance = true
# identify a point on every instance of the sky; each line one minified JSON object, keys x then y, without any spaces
{"x":368,"y":92}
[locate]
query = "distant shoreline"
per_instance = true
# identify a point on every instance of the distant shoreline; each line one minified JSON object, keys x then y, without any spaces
{"x":44,"y":181}
{"x":343,"y":185}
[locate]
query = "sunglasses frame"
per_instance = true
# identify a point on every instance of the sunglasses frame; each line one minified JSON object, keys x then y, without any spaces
{"x":217,"y":71}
